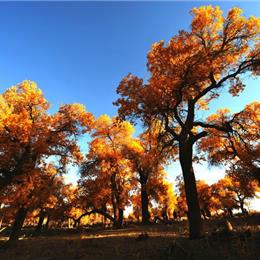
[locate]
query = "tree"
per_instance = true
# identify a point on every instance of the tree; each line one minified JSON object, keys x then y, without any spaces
{"x":185,"y":76}
{"x":106,"y":165}
{"x":50,"y":196}
{"x":29,"y":192}
{"x":237,"y":190}
{"x":147,"y":163}
{"x":94,"y":195}
{"x":223,"y":197}
{"x":164,"y":197}
{"x":29,"y":135}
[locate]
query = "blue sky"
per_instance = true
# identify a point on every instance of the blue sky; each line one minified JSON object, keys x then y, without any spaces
{"x":79,"y":52}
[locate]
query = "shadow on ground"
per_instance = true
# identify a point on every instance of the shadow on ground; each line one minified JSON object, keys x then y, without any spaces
{"x":161,"y":242}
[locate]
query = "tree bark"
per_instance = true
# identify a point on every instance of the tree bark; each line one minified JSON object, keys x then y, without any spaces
{"x":144,"y":202}
{"x":195,"y":220}
{"x":18,"y":223}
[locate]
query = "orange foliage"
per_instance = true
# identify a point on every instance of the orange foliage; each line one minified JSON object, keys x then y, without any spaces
{"x":186,"y":74}
{"x":239,"y":148}
{"x":29,"y":134}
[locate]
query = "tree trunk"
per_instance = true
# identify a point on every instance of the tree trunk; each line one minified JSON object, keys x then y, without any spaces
{"x":118,"y":212}
{"x":242,"y":207}
{"x":113,"y":198}
{"x":230,"y":212}
{"x":114,"y":209}
{"x":144,"y":201}
{"x":208,"y":214}
{"x":1,"y":220}
{"x":165,"y":213}
{"x":120,"y":218}
{"x":40,"y":222}
{"x":47,"y":223}
{"x":203,"y":214}
{"x":195,"y":220}
{"x":18,"y":223}
{"x":76,"y":223}
{"x":115,"y":215}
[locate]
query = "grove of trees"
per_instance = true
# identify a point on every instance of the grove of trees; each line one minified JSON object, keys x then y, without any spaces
{"x":122,"y":170}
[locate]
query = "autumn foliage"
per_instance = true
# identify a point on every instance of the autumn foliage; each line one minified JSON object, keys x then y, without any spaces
{"x":124,"y":172}
{"x":186,"y":74}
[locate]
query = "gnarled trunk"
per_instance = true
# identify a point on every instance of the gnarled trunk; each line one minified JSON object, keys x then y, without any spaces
{"x":194,"y":214}
{"x":18,"y":223}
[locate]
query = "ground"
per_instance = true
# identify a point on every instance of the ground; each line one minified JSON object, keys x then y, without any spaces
{"x":161,"y":242}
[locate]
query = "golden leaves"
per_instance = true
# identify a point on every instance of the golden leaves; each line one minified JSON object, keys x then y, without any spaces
{"x":207,"y":20}
{"x":29,"y":137}
{"x":203,"y":104}
{"x":191,"y":62}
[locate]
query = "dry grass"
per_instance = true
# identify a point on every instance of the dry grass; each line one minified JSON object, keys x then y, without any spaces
{"x":164,"y":242}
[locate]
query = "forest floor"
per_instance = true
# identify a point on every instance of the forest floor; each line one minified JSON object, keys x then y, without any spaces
{"x":161,"y":242}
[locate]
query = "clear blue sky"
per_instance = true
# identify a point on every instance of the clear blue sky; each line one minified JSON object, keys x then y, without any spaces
{"x":79,"y":52}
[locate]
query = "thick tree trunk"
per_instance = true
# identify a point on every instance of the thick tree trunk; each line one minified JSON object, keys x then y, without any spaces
{"x":144,"y":202}
{"x":40,"y":222}
{"x":195,"y":220}
{"x":18,"y":223}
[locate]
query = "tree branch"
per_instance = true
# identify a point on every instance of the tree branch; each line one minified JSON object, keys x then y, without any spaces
{"x":214,"y":85}
{"x":212,"y":126}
